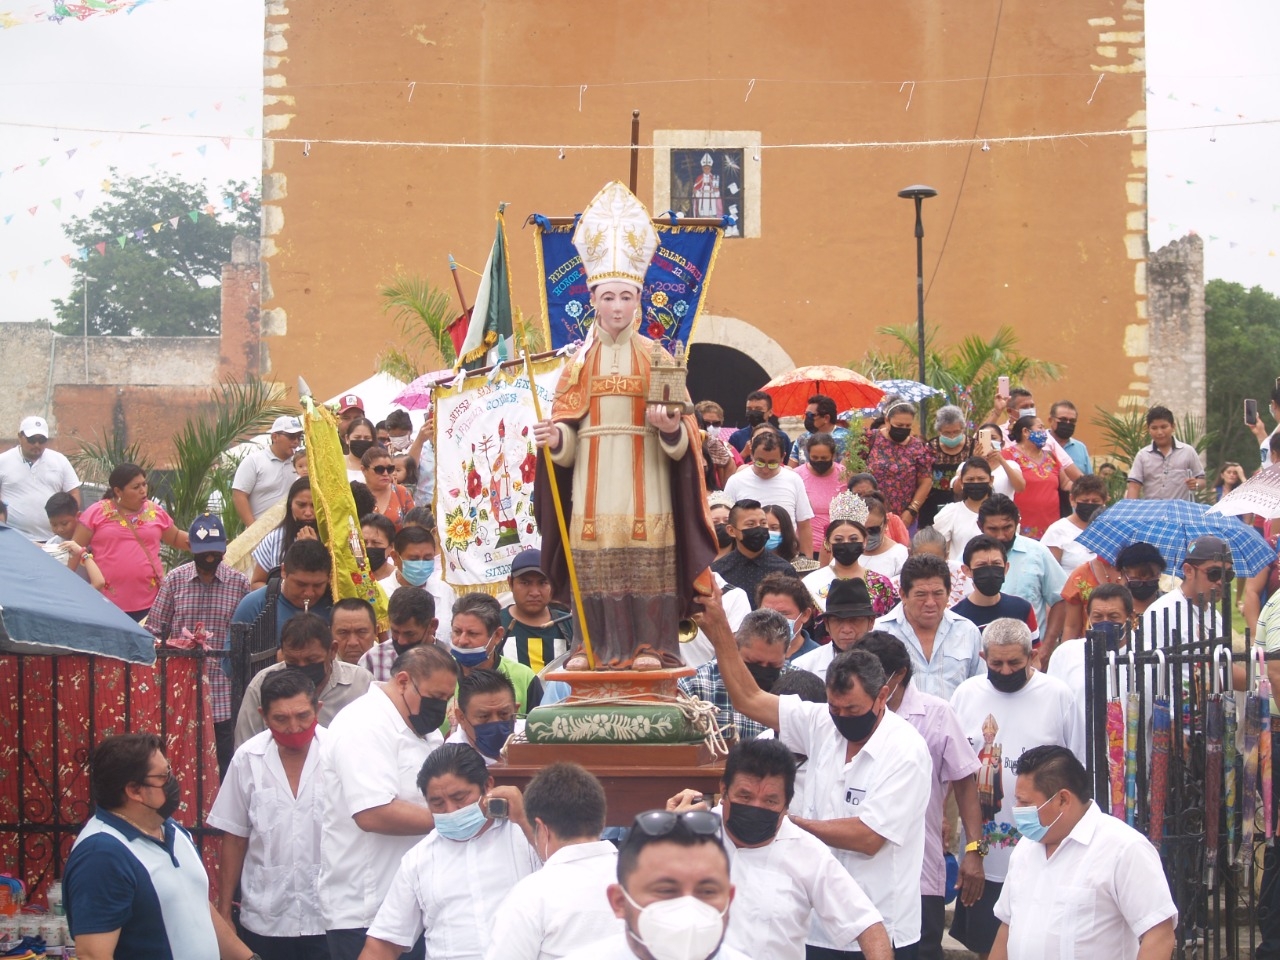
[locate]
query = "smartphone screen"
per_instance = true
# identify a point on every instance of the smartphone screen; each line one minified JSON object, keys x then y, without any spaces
{"x":1251,"y":412}
{"x":1003,"y":387}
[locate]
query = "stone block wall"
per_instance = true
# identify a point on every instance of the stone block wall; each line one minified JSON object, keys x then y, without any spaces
{"x":1175,"y":298}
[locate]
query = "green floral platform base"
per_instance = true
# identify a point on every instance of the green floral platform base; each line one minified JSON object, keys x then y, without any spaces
{"x":622,"y":706}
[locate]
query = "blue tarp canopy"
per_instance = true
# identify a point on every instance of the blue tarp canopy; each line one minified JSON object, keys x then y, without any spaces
{"x":45,"y":608}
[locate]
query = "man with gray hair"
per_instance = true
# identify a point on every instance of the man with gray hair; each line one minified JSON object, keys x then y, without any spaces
{"x":1009,"y":710}
{"x":762,"y":641}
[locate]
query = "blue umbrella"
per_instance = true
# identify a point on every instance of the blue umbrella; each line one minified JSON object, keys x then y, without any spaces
{"x":45,"y":608}
{"x":1169,"y":525}
{"x":903,"y":389}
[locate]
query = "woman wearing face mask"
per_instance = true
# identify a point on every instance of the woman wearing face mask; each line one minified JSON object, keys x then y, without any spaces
{"x":783,"y":540}
{"x":1088,"y":497}
{"x":299,"y":523}
{"x":900,"y":462}
{"x":846,"y":537}
{"x":361,"y":435}
{"x":951,"y":447}
{"x":1038,"y":503}
{"x":880,"y":553}
{"x":392,"y":500}
{"x":451,"y":886}
{"x":823,"y":476}
{"x":476,"y":641}
{"x":718,"y":507}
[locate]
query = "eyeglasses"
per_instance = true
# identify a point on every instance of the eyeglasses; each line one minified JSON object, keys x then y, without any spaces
{"x":714,"y":424}
{"x":766,"y":466}
{"x":1214,"y":574}
{"x":383,"y":469}
{"x":164,"y":778}
{"x":661,"y":823}
{"x":37,"y":441}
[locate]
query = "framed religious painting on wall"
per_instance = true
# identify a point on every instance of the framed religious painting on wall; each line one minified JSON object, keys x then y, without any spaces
{"x":709,"y":173}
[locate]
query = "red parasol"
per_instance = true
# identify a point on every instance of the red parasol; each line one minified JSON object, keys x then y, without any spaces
{"x":791,"y":391}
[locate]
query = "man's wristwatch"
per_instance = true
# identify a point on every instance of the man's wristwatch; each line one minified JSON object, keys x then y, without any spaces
{"x":980,"y":847}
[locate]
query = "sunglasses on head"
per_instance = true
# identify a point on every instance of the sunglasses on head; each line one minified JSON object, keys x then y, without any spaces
{"x":661,"y":823}
{"x":383,"y":469}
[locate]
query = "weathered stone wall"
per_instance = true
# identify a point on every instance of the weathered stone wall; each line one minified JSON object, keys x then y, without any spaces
{"x":1175,"y":299}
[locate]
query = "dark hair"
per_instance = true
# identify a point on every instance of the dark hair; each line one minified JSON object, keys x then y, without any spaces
{"x":121,"y":476}
{"x":416,"y":605}
{"x":739,"y":508}
{"x":761,"y":395}
{"x":362,"y":422}
{"x":366,"y":502}
{"x":4,"y":510}
{"x":568,"y":799}
{"x":833,"y":525}
{"x":1053,"y":411}
{"x":380,"y":523}
{"x":61,"y":504}
{"x":410,"y":468}
{"x":373,"y":455}
{"x":423,"y":660}
{"x":399,"y":420}
{"x":307,"y":556}
{"x":303,"y":629}
{"x":891,"y":651}
{"x":975,"y":463}
{"x":363,"y":606}
{"x":409,"y":535}
{"x":998,"y":505}
{"x":765,"y":441}
{"x":1053,"y":768}
{"x":1021,"y":427}
{"x":420,"y":516}
{"x":875,"y":504}
{"x":1274,"y":443}
{"x":785,"y":585}
{"x":283,"y":684}
{"x":858,"y":478}
{"x":826,"y":406}
{"x":923,"y":566}
{"x":820,"y":439}
{"x":856,"y":663}
{"x":761,"y":758}
{"x":1089,"y":483}
{"x":801,"y":683}
{"x":1139,"y":554}
{"x":982,"y":543}
{"x":483,"y":607}
{"x":680,"y":836}
{"x":1160,"y":413}
{"x":1017,"y":392}
{"x":460,"y":759}
{"x":482,"y":681}
{"x":289,"y":527}
{"x":790,"y":545}
{"x":119,"y":761}
{"x":1111,"y":591}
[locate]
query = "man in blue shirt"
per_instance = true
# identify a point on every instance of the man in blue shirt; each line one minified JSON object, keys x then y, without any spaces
{"x":1062,"y":421}
{"x":303,"y":587}
{"x":759,"y":410}
{"x":134,"y":884}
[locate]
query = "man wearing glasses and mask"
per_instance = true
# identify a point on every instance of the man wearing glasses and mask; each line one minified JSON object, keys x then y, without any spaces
{"x":1192,"y":609}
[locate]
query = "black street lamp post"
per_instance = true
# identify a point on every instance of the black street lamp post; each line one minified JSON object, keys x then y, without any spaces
{"x":919,"y":193}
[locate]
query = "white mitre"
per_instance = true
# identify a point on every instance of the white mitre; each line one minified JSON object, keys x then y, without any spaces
{"x":615,"y":237}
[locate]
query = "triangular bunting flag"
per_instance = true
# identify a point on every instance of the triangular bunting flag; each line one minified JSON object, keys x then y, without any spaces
{"x":79,"y":194}
{"x":7,"y":218}
{"x":66,"y":258}
{"x":122,"y":239}
{"x":218,"y":105}
{"x":83,"y":253}
{"x":192,"y":114}
{"x":57,"y":203}
{"x":209,"y":209}
{"x":44,"y":160}
{"x":101,"y":247}
{"x":226,"y":142}
{"x":106,"y":186}
{"x":13,"y":275}
{"x":46,"y":263}
{"x":32,"y":210}
{"x":139,"y":233}
{"x":72,"y":152}
{"x":194,"y":215}
{"x":95,"y":144}
{"x":173,"y":222}
{"x":248,"y":131}
{"x":157,"y":227}
{"x":1232,"y":244}
{"x":201,"y":149}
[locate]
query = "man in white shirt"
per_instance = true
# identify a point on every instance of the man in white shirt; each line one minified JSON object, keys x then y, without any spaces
{"x":673,"y":891}
{"x":373,"y":810}
{"x":1192,"y":609}
{"x":783,"y":877}
{"x":1005,"y":713}
{"x":1081,"y":883}
{"x":268,"y":808}
{"x":867,"y":775}
{"x":944,"y":646}
{"x":564,"y":905}
{"x":1110,"y":609}
{"x":484,"y":713}
{"x":264,"y":476}
{"x":30,"y":474}
{"x":772,"y":484}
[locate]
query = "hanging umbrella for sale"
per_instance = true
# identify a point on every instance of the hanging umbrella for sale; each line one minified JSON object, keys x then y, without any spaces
{"x":1254,"y":708}
{"x":1115,"y":740}
{"x":1133,"y":710}
{"x":1160,"y":738}
{"x":1213,"y":724}
{"x":1259,"y":495}
{"x":791,"y":391}
{"x":1169,"y":525}
{"x":1264,"y":743}
{"x":1230,"y":791}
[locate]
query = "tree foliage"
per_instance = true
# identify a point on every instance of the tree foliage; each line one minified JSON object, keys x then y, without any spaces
{"x":1242,"y":335}
{"x":164,"y":283}
{"x":423,"y":313}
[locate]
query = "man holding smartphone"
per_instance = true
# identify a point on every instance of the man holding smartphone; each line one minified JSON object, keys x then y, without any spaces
{"x":1259,"y":429}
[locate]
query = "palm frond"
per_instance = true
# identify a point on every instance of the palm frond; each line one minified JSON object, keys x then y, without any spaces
{"x":96,"y":458}
{"x":423,"y":313}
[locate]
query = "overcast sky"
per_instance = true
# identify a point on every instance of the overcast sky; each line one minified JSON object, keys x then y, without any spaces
{"x":185,"y":66}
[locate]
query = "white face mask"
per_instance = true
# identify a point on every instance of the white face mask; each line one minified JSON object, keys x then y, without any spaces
{"x":401,"y":443}
{"x":684,"y":928}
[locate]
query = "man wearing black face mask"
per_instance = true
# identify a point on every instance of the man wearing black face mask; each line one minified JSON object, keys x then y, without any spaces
{"x":783,"y":875}
{"x":135,"y":883}
{"x":759,"y":410}
{"x":819,"y":417}
{"x":1011,"y":709}
{"x":412,"y":618}
{"x":750,"y":561}
{"x":985,"y":565}
{"x":868,"y":775}
{"x":202,"y":596}
{"x":1110,"y":613}
{"x":373,"y":810}
{"x":761,"y":644}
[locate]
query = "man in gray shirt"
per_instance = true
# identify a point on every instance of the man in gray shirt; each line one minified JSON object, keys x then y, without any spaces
{"x":1166,"y":470}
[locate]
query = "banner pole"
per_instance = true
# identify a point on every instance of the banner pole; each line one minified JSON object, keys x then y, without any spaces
{"x":560,"y":517}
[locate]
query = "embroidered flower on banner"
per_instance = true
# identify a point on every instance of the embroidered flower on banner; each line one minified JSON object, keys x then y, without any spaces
{"x":459,"y":529}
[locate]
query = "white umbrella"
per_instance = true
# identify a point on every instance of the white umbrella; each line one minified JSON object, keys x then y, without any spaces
{"x":1259,"y":495}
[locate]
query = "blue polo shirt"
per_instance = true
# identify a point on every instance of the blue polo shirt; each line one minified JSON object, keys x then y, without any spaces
{"x":156,"y":894}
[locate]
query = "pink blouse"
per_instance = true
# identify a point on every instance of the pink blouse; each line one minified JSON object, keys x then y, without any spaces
{"x":126,"y":547}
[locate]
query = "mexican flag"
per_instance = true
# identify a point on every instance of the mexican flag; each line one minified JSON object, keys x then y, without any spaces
{"x":490,"y":328}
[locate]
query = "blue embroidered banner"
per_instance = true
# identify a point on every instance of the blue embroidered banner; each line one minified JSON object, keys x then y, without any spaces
{"x":675,"y":285}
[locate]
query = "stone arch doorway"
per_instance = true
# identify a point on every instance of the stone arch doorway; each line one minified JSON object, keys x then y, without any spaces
{"x":729,"y":358}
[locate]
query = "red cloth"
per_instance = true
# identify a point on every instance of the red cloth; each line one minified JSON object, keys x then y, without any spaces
{"x":57,"y":697}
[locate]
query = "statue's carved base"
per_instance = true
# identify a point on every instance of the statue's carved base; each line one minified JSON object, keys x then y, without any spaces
{"x":614,"y":707}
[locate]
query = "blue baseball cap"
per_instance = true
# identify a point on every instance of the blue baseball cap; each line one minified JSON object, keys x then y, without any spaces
{"x":207,"y":535}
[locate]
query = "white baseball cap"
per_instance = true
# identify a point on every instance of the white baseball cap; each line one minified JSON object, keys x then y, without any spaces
{"x":34,"y":427}
{"x":287,"y":425}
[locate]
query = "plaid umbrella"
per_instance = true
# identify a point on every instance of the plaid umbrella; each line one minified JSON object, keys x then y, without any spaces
{"x":1169,"y":525}
{"x":903,"y":389}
